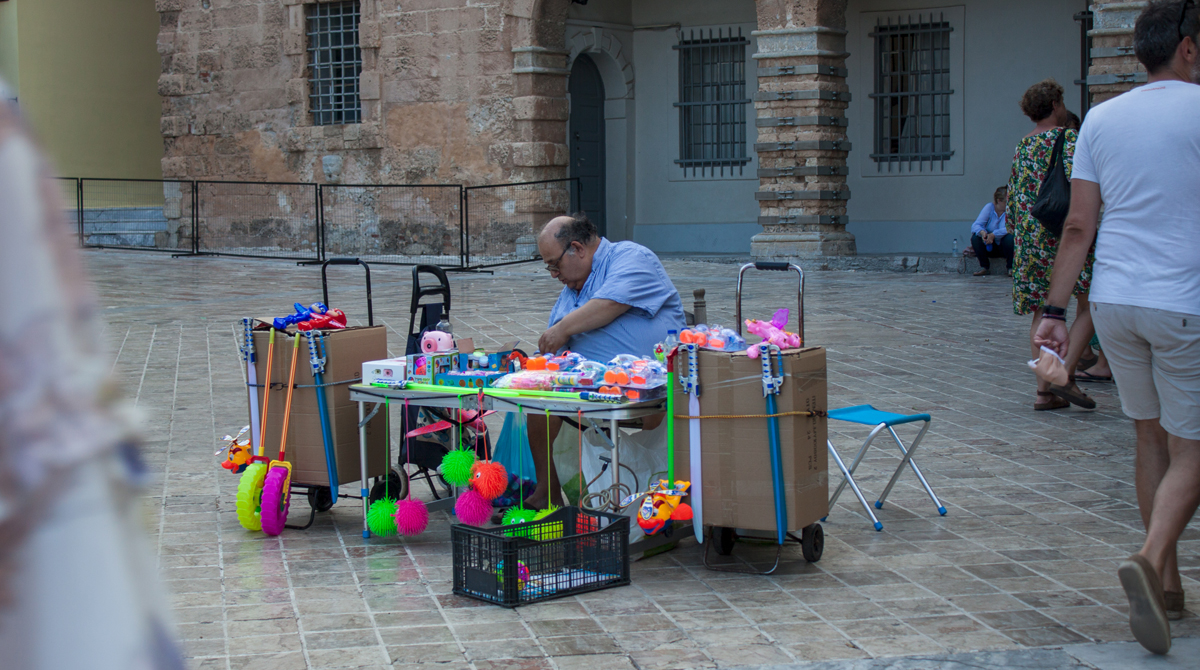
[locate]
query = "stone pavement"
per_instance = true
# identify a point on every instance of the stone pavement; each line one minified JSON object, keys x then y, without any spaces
{"x":1041,"y":505}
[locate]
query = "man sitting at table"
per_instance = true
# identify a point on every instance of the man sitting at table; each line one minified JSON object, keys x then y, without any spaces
{"x":616,"y":299}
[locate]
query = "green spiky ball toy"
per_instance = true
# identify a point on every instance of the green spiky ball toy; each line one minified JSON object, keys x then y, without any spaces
{"x":381,"y":519}
{"x":515,"y":516}
{"x":549,"y":531}
{"x":456,"y":466}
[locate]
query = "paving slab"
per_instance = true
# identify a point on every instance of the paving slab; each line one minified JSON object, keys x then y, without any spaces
{"x":1041,"y":505}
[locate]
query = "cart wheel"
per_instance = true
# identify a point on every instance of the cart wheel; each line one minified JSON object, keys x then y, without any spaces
{"x":275,"y":501}
{"x":320,"y":499}
{"x":249,"y":496}
{"x":396,"y":487}
{"x":812,"y":542}
{"x":723,"y":539}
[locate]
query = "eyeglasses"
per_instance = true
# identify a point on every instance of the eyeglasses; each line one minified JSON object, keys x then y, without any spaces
{"x":553,"y":267}
{"x":1183,"y":7}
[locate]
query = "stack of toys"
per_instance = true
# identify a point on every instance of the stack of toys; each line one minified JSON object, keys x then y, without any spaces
{"x":772,"y":332}
{"x":441,"y":364}
{"x":485,"y":482}
{"x":314,"y":317}
{"x":624,"y":378}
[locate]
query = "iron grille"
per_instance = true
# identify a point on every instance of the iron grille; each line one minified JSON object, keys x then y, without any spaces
{"x":912,"y":93}
{"x":334,"y":63}
{"x":712,"y":101}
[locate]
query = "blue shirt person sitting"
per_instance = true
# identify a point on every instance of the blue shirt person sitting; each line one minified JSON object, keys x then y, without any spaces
{"x":616,"y":299}
{"x":989,"y":234}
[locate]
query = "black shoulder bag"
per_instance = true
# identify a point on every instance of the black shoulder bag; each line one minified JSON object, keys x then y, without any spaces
{"x":1054,"y":197}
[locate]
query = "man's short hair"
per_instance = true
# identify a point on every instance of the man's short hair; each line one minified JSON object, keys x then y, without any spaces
{"x":580,"y":229}
{"x":1158,"y":32}
{"x":1038,"y":101}
{"x":1000,"y":194}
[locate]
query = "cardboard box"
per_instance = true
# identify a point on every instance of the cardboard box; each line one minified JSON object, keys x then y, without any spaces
{"x":737,"y":485}
{"x":387,"y":371}
{"x":345,"y":352}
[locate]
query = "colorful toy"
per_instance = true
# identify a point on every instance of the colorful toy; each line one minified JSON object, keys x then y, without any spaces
{"x":250,"y":486}
{"x":331,"y":319}
{"x":456,"y":466}
{"x":381,"y":517}
{"x":551,"y":531}
{"x":251,"y":359}
{"x":773,"y":333}
{"x":518,"y":515}
{"x":276,"y":492}
{"x":662,"y":505}
{"x":472,"y":508}
{"x":489,"y":479}
{"x":411,"y":517}
{"x":564,"y":362}
{"x":239,"y":453}
{"x":522,"y":573}
{"x":437,"y":342}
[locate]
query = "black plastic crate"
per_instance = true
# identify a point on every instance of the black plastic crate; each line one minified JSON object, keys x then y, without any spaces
{"x":571,"y":551}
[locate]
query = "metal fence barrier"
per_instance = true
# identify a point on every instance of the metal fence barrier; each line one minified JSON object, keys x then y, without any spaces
{"x":259,"y":220}
{"x":436,"y":224}
{"x":154,"y":214}
{"x":501,"y":222}
{"x":405,"y":225}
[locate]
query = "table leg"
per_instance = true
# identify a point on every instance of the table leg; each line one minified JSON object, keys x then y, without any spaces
{"x":362,"y":464}
{"x":615,"y":500}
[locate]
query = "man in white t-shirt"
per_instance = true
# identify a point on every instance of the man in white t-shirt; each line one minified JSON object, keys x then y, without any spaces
{"x":1139,"y":154}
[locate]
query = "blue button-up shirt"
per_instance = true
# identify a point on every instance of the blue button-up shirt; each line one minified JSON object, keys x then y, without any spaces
{"x":989,"y":221}
{"x":630,"y":274}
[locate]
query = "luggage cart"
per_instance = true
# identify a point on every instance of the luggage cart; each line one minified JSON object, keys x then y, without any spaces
{"x":812,"y":537}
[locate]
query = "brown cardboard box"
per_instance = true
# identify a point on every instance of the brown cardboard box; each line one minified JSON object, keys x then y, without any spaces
{"x":345,"y":352}
{"x":737,"y":485}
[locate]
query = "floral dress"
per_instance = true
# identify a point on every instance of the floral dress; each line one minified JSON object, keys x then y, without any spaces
{"x":1035,"y":249}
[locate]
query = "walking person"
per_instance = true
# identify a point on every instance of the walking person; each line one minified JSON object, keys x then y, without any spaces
{"x":1034,"y":248}
{"x":989,"y":231}
{"x":1139,"y":154}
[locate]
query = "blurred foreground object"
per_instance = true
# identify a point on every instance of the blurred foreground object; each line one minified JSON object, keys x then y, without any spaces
{"x":78,"y":585}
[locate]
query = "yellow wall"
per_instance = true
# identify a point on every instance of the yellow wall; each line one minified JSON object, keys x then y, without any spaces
{"x":88,"y":83}
{"x":8,"y":45}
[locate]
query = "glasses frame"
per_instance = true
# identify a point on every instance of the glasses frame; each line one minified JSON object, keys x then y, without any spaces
{"x":1183,"y":7}
{"x":553,"y":267}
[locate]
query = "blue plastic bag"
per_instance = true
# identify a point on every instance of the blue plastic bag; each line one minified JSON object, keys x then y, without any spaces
{"x":512,"y":447}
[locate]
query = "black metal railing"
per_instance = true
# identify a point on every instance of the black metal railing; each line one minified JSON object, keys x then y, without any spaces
{"x":448,"y":225}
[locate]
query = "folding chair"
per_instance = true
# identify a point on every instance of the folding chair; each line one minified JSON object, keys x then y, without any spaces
{"x":869,"y":416}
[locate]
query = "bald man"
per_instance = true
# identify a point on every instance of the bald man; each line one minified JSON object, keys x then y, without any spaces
{"x":616,"y":299}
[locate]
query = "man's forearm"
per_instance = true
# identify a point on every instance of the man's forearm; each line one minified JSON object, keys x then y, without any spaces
{"x":595,"y":313}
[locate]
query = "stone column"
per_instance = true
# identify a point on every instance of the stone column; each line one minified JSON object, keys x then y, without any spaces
{"x":800,"y":102}
{"x":1114,"y":68}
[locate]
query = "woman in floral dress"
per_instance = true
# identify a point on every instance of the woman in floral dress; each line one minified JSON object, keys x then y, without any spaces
{"x":1034,"y":247}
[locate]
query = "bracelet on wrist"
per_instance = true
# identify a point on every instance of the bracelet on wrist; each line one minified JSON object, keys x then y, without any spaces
{"x":1055,"y":317}
{"x":1051,"y":310}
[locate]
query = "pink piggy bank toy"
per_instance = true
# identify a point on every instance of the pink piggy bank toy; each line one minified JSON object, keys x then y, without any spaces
{"x":435,"y":341}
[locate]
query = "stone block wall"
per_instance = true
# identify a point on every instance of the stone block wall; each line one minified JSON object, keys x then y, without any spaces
{"x":453,"y":91}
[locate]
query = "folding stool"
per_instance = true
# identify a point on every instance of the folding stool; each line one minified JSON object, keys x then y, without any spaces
{"x":869,"y":416}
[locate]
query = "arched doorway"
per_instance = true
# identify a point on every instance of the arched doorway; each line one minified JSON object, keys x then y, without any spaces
{"x":585,"y":133}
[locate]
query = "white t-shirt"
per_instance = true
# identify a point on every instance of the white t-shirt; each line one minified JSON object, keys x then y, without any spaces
{"x":1143,"y":149}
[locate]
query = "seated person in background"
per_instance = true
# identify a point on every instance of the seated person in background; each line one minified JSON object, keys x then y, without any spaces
{"x":616,"y":299}
{"x":989,"y":229}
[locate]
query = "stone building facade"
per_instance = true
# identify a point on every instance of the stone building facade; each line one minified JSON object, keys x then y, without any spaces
{"x":476,"y":92}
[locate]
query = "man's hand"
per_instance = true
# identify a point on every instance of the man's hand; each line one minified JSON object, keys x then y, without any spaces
{"x":1052,"y":334}
{"x":553,"y":339}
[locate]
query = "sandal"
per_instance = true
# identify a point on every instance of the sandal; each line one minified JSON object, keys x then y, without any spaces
{"x":1086,"y":363}
{"x":1173,"y":604}
{"x":1053,"y":403}
{"x":1085,"y":376}
{"x":1147,"y":616}
{"x":1073,"y":395}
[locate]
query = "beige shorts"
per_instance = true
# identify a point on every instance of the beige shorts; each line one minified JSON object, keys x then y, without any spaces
{"x":1155,"y":360}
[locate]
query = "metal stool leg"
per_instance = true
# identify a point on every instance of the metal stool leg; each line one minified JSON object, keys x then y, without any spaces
{"x":849,"y":479}
{"x":857,"y":459}
{"x":908,"y":459}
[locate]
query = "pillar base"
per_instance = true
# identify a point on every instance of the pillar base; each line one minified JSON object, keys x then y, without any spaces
{"x":802,"y":244}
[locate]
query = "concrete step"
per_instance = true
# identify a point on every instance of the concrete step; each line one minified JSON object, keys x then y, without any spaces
{"x":124,"y":220}
{"x":132,"y":239}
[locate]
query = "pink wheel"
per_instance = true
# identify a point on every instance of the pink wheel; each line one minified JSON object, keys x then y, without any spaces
{"x":275,"y":501}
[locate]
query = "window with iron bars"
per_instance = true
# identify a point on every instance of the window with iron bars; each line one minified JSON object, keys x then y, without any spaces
{"x":912,"y":93}
{"x":712,"y":101}
{"x":334,"y":63}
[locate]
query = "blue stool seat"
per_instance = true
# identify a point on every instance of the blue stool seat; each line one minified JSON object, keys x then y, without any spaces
{"x":869,"y":416}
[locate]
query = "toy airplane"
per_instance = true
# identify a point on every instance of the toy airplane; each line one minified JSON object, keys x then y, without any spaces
{"x":239,"y":452}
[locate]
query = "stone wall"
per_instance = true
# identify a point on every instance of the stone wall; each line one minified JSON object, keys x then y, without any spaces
{"x":462,"y":91}
{"x":1114,"y":68}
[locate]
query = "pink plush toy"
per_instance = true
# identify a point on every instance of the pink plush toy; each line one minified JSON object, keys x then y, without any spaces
{"x":772,"y":332}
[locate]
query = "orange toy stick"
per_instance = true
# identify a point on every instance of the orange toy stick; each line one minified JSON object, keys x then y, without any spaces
{"x":287,"y":410}
{"x":262,"y":445}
